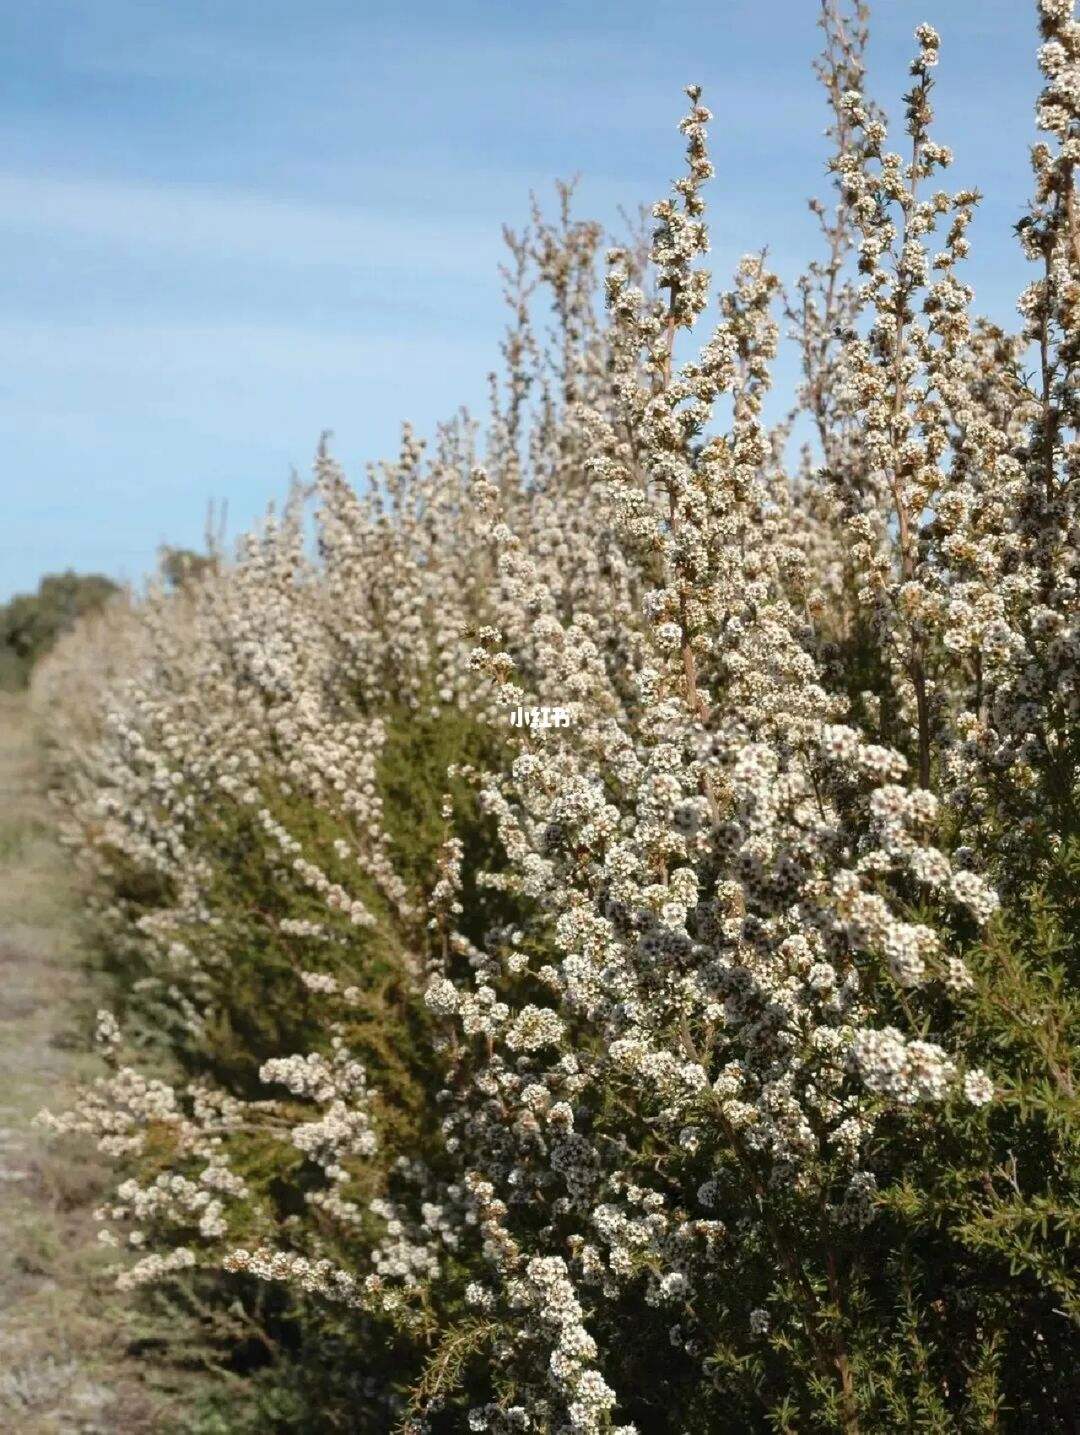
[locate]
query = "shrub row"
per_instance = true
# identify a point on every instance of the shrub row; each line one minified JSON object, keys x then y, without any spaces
{"x":706,"y":1062}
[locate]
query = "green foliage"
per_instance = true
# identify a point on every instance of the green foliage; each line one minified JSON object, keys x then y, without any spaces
{"x":31,"y":622}
{"x":421,"y":762}
{"x":988,"y":1202}
{"x":286,"y":1362}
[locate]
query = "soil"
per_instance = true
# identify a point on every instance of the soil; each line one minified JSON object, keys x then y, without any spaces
{"x":68,"y":1341}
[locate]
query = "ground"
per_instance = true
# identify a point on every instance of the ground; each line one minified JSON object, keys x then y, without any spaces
{"x":68,"y":1343}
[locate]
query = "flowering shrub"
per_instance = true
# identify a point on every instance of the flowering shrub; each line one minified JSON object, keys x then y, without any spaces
{"x":705,"y":1060}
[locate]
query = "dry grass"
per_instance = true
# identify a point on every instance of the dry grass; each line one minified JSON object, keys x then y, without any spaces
{"x":66,"y":1361}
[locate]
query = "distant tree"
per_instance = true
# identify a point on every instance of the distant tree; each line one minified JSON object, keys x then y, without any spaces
{"x":31,"y":622}
{"x":180,"y":565}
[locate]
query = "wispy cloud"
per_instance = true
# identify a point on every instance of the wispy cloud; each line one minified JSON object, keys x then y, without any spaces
{"x":185,"y":219}
{"x":171,"y":355}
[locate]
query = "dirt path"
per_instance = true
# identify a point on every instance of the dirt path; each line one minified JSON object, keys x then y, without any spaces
{"x":64,"y":1338}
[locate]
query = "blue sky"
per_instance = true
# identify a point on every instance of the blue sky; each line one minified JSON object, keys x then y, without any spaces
{"x":227,"y":226}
